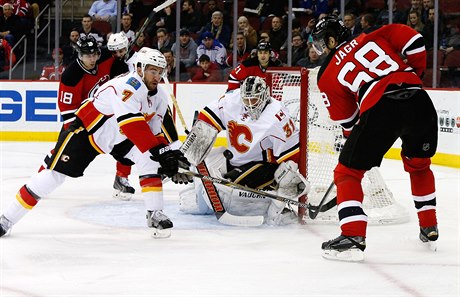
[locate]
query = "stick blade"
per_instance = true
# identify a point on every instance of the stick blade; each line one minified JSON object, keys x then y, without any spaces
{"x":241,"y":221}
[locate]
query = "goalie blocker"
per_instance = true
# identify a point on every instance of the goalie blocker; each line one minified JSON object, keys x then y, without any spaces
{"x":199,"y":142}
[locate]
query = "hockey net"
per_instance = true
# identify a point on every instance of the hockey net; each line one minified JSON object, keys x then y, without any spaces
{"x":320,"y":143}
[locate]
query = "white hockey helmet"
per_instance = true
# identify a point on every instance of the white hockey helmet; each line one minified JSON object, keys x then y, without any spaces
{"x":255,"y":95}
{"x":117,"y":41}
{"x":147,"y":56}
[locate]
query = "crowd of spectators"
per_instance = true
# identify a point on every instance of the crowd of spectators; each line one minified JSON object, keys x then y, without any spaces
{"x":17,"y":18}
{"x":206,"y":38}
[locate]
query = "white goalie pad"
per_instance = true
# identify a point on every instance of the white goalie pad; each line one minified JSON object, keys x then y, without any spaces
{"x":199,"y":142}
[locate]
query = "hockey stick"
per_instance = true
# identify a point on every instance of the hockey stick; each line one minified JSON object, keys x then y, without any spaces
{"x":176,"y":105}
{"x":218,"y":207}
{"x":148,"y":20}
{"x":258,"y":193}
{"x":313,"y":211}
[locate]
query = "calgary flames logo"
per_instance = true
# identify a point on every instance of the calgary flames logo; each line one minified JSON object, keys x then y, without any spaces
{"x":234,"y":132}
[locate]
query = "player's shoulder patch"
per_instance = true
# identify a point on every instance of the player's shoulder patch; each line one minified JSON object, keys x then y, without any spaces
{"x":132,"y":81}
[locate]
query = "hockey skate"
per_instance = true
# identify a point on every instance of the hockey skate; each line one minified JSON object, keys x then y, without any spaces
{"x":5,"y":226}
{"x":160,"y":223}
{"x":345,"y":248}
{"x":122,"y":189}
{"x":429,"y":235}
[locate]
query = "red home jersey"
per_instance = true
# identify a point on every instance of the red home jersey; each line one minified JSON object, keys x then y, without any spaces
{"x":49,"y":73}
{"x":78,"y":84}
{"x":355,"y":75}
{"x":250,"y":67}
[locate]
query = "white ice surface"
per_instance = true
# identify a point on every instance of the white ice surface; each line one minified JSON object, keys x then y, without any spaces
{"x":81,"y":242}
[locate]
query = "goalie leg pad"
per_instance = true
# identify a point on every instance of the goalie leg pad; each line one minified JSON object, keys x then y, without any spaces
{"x":216,"y":162}
{"x":242,"y":203}
{"x":191,"y":200}
{"x":274,"y":212}
{"x":199,"y":142}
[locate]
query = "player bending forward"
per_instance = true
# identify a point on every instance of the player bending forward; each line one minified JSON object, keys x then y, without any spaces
{"x":118,"y":45}
{"x":123,"y":119}
{"x":264,"y":145}
{"x":377,"y":97}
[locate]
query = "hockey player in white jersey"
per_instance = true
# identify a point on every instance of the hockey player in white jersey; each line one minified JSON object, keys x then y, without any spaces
{"x":118,"y":45}
{"x":263,"y":143}
{"x":122,"y":119}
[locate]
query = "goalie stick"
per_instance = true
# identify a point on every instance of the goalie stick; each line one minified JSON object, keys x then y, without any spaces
{"x":148,"y":20}
{"x":221,"y":214}
{"x":218,"y":207}
{"x":258,"y":193}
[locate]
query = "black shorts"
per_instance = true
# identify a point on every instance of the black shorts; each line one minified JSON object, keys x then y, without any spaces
{"x":414,"y":120}
{"x":73,"y":152}
{"x":257,"y":175}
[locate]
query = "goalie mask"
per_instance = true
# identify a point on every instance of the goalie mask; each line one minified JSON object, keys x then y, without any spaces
{"x":255,"y":95}
{"x":330,"y":26}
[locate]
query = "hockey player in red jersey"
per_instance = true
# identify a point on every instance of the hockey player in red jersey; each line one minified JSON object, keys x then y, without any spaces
{"x":124,"y":119}
{"x":254,"y":66}
{"x":372,"y":86}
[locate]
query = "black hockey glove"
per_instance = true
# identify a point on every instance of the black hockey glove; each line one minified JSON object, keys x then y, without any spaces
{"x":169,"y":159}
{"x":233,"y":174}
{"x":182,"y":178}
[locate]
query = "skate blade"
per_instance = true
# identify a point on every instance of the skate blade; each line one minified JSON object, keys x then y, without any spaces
{"x":431,"y":245}
{"x":161,"y":233}
{"x":7,"y":234}
{"x":353,"y":255}
{"x":119,"y":195}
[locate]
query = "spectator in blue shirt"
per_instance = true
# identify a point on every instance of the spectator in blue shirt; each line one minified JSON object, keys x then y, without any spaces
{"x":105,"y":10}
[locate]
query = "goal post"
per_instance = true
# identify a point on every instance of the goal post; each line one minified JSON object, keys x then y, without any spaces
{"x":321,"y":141}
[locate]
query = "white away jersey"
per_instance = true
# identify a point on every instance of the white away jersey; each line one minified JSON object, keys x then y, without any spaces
{"x":272,"y":138}
{"x":124,"y":108}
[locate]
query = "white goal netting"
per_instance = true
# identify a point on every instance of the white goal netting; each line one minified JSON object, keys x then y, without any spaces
{"x":321,"y":141}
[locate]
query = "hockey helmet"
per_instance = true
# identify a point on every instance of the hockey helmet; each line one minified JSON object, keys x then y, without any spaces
{"x":330,"y":26}
{"x":264,"y":46}
{"x":117,"y":41}
{"x":255,"y":95}
{"x":147,"y":56}
{"x":87,"y":45}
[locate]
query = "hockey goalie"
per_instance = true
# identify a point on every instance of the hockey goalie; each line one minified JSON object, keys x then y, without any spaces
{"x":263,"y":151}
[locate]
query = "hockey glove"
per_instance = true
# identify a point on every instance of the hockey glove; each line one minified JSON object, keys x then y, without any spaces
{"x":233,"y":174}
{"x":182,"y":178}
{"x":169,"y":159}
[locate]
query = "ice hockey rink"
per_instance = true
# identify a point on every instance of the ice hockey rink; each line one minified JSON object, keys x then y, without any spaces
{"x":81,"y":242}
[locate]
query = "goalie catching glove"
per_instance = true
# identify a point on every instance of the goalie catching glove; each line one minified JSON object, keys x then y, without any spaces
{"x":290,"y":182}
{"x":170,"y":160}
